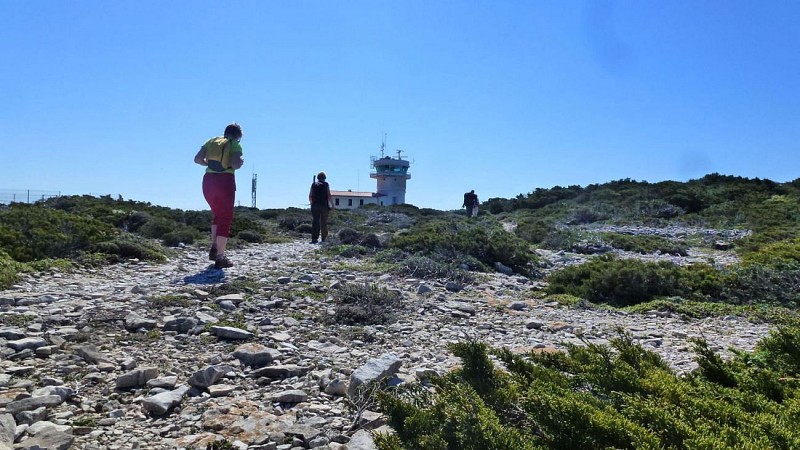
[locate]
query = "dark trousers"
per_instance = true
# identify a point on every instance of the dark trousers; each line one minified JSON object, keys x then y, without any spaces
{"x":319,"y":223}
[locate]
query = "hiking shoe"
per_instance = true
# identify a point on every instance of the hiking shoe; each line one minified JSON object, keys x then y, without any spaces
{"x":222,"y":262}
{"x":314,"y":241}
{"x":212,"y":254}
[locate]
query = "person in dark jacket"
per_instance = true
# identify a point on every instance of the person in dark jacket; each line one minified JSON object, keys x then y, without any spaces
{"x":471,"y":203}
{"x":321,"y":203}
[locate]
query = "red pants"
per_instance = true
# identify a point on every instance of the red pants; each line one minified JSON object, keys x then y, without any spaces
{"x":219,"y":189}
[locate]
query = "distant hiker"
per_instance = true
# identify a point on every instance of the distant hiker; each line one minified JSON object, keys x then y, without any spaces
{"x":471,"y":203}
{"x":222,"y":156}
{"x":321,"y":203}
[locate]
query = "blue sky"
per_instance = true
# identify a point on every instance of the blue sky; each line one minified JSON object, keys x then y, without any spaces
{"x":497,"y":96}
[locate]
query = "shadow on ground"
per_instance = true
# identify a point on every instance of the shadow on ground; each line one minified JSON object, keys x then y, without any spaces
{"x":208,"y":276}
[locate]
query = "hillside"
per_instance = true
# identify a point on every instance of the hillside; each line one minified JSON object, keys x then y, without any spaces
{"x":116,"y":333}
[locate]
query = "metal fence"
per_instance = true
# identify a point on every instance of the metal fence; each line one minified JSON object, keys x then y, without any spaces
{"x":25,"y":195}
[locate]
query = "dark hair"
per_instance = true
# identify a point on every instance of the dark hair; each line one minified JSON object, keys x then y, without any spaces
{"x":233,"y":131}
{"x":321,"y":176}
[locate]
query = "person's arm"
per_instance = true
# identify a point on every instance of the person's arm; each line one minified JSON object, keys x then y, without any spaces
{"x":200,"y":157}
{"x":310,"y":195}
{"x":330,"y":198}
{"x":237,"y":161}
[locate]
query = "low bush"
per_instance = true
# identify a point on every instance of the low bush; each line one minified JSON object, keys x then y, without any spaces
{"x":156,"y":227}
{"x":9,"y":271}
{"x":624,"y":282}
{"x":617,"y":282}
{"x":700,"y":309}
{"x":371,"y":240}
{"x":429,"y":268}
{"x":176,"y":238}
{"x":365,"y":304}
{"x":620,"y":396}
{"x":780,"y":252}
{"x":485,"y":241}
{"x":349,"y":236}
{"x":31,"y":232}
{"x":246,"y":222}
{"x":250,"y":236}
{"x":592,"y":214}
{"x":534,"y":231}
{"x":776,"y":284}
{"x":136,"y":220}
{"x":127,"y":248}
{"x":347,"y":251}
{"x":292,"y":218}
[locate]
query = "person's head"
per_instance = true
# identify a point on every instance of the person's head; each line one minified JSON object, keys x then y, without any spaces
{"x":234,"y":131}
{"x":321,"y":176}
{"x":472,"y":191}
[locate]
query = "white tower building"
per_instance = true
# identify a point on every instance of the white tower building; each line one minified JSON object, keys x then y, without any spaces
{"x":391,"y":175}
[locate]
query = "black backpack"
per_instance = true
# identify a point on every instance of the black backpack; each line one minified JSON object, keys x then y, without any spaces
{"x":319,"y":193}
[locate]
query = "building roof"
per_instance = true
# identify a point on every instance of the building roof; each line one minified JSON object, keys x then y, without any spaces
{"x":355,"y":194}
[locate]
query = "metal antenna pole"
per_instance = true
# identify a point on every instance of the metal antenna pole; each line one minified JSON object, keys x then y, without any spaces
{"x":255,"y":182}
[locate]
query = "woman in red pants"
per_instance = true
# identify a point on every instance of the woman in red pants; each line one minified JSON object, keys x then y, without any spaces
{"x":222,"y":156}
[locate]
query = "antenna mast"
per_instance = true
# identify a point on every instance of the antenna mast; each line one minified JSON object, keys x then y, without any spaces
{"x":255,"y":182}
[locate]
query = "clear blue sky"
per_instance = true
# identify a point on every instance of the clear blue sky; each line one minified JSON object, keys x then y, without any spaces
{"x":498,"y":96}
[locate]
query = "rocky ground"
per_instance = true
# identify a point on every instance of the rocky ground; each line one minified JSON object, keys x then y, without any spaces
{"x":141,"y":355}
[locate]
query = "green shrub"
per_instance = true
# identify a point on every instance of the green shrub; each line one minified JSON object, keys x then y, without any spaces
{"x":623,"y":282}
{"x":9,"y":271}
{"x":429,"y":268}
{"x":777,"y":283}
{"x":534,"y":231}
{"x":176,"y":238}
{"x":561,"y":240}
{"x":365,"y":304}
{"x":593,"y":396}
{"x":617,"y":282}
{"x":485,"y":241}
{"x":371,"y":240}
{"x":135,"y":220}
{"x":246,"y":222}
{"x":250,"y":236}
{"x":780,"y":252}
{"x":349,"y":236}
{"x":169,"y":301}
{"x":31,"y":232}
{"x":347,"y":251}
{"x":292,"y":218}
{"x":157,"y":227}
{"x":127,"y":248}
{"x":584,"y":215}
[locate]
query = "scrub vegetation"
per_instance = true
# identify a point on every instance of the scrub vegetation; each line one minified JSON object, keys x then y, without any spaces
{"x":595,"y":397}
{"x":627,"y":244}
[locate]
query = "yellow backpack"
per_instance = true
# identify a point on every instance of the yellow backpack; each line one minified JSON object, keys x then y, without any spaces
{"x":218,"y":154}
